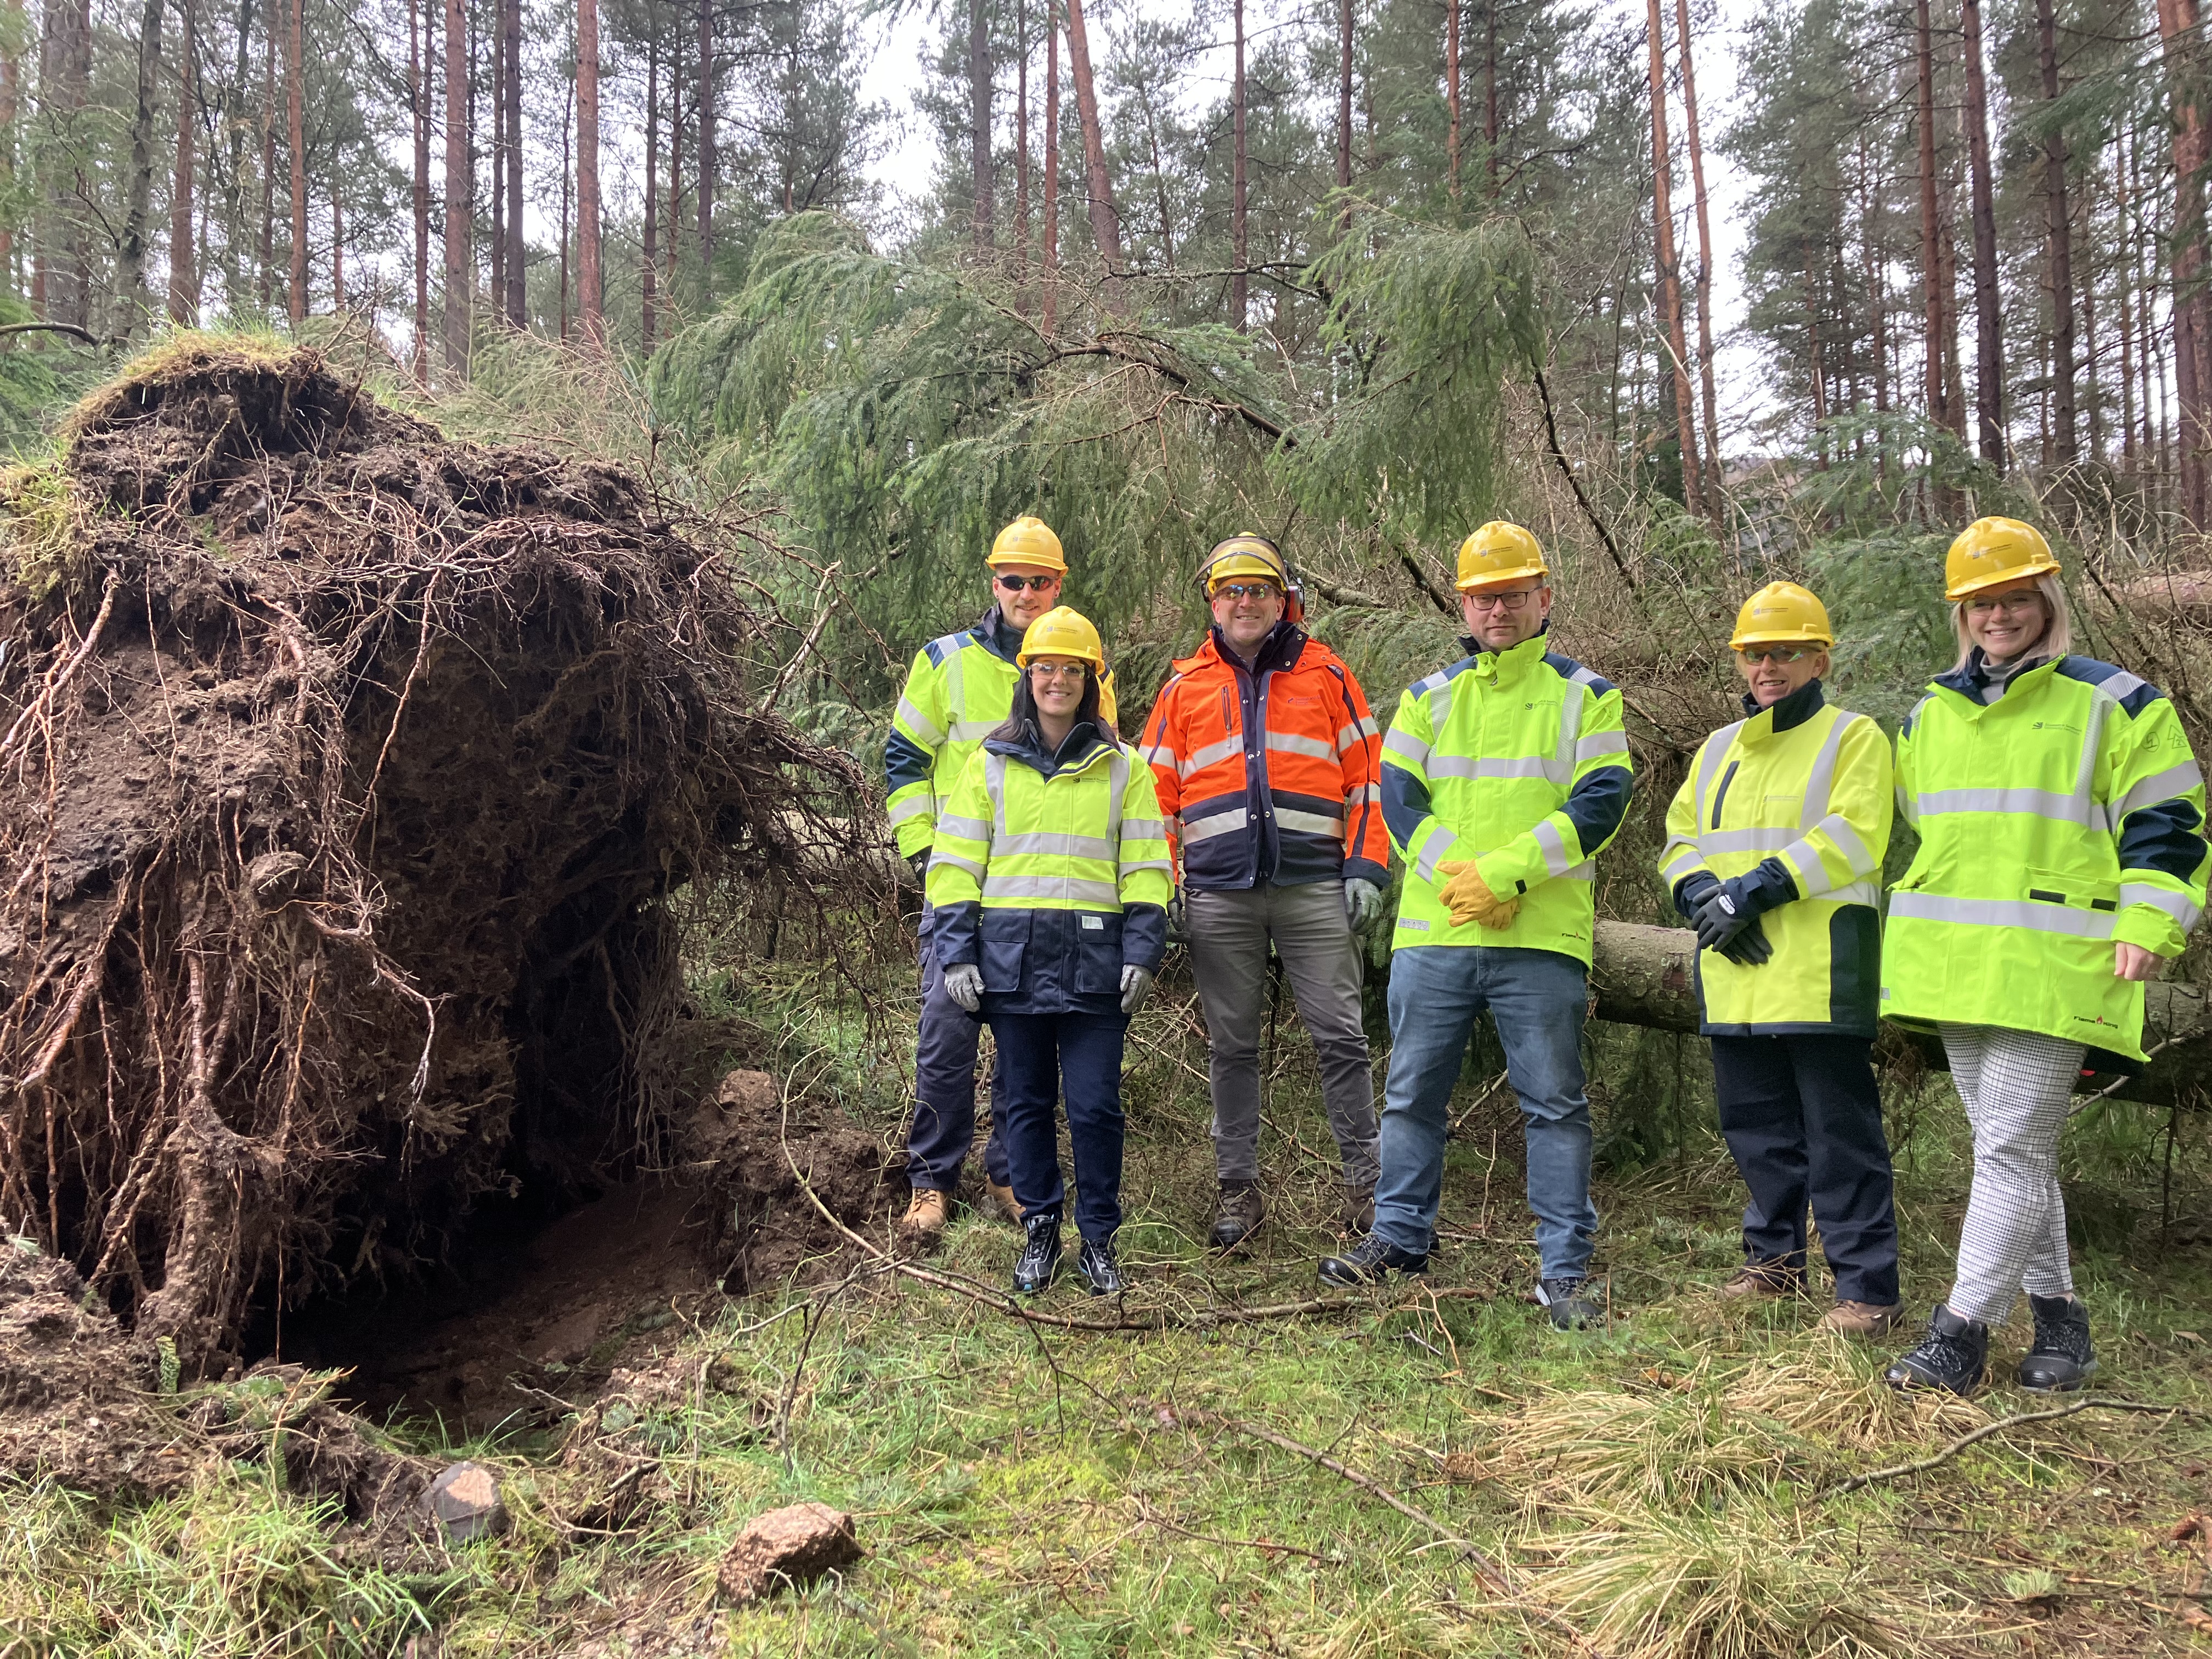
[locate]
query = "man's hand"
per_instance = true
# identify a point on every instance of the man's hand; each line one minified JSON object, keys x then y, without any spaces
{"x":2133,"y":962}
{"x":1136,"y":986}
{"x":1178,"y":919}
{"x":1469,"y":897}
{"x":1362,"y":903}
{"x":964,"y":983}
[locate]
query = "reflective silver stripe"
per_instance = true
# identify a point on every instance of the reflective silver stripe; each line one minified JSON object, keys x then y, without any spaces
{"x":2030,"y":803}
{"x":920,"y":724}
{"x":1296,"y":744}
{"x":2163,"y":785}
{"x":994,"y":783}
{"x":974,"y":731}
{"x":1555,"y":848}
{"x":1103,"y":893}
{"x":966,"y":829}
{"x":1412,"y":924}
{"x":939,"y":855}
{"x":2122,"y":686}
{"x":1399,"y":742}
{"x":1837,"y":828}
{"x":1679,"y":853}
{"x":1159,"y":754}
{"x":1821,"y":782}
{"x":913,"y":807}
{"x":1708,"y":763}
{"x":1367,"y":726}
{"x":1212,"y":755}
{"x":1348,"y":737}
{"x":2001,"y":913}
{"x":1434,"y":843}
{"x":1714,"y":843}
{"x":1220,"y":824}
{"x":2180,"y":906}
{"x":1051,"y":844}
{"x":2093,"y":741}
{"x":1309,"y":823}
{"x":956,"y":675}
{"x":1146,"y":864}
{"x":1117,"y":788}
{"x":1600,"y":743}
{"x":1562,"y":770}
{"x":1908,"y":807}
{"x":1584,"y":677}
{"x":1812,"y":877}
{"x":1440,"y":701}
{"x":1585,"y":870}
{"x":1859,"y":892}
{"x":1462,"y":765}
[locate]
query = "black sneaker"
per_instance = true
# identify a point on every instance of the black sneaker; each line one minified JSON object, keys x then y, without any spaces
{"x":2062,"y":1359}
{"x":1040,"y":1258}
{"x":1370,"y":1261}
{"x":1096,"y":1264}
{"x":1567,"y":1302}
{"x":1952,"y":1356}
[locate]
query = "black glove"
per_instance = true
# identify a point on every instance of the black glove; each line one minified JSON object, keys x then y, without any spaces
{"x":1721,"y":922}
{"x":920,"y":862}
{"x":1178,"y":919}
{"x":1749,"y":948}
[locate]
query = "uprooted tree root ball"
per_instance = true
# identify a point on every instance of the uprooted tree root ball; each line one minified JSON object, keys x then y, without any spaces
{"x":351,"y":775}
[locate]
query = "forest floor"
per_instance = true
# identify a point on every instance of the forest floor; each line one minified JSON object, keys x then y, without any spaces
{"x":1404,"y":1472}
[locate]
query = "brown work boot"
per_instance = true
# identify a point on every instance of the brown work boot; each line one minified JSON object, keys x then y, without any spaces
{"x":1003,"y":1198}
{"x":1757,"y":1279}
{"x":1240,"y":1214}
{"x":1355,"y":1217}
{"x":923,"y":1224}
{"x":1863,"y":1318}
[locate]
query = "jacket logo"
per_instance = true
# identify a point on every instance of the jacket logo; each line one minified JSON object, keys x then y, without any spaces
{"x":2055,"y":725}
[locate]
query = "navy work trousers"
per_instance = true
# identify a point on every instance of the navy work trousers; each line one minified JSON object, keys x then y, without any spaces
{"x":1802,"y":1117}
{"x":1045,"y":1055}
{"x":943,"y":1126}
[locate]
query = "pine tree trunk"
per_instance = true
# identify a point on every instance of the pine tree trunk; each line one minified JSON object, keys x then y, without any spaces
{"x":588,"y":295}
{"x":461,"y":275}
{"x":568,"y":114}
{"x":1706,"y":372}
{"x":1105,"y":223}
{"x":1451,"y":87}
{"x":518,"y":288}
{"x":1931,"y":262}
{"x":2058,"y":225}
{"x":1669,"y":273}
{"x":130,"y":252}
{"x":2089,"y":340}
{"x":1022,"y":156}
{"x":1490,"y":128}
{"x":979,"y":117}
{"x":184,"y":275}
{"x":705,"y":152}
{"x":1051,"y":308}
{"x":295,"y":100}
{"x":1989,"y":319}
{"x":337,"y":242}
{"x":2122,"y":286}
{"x":1344,"y":97}
{"x":498,"y":153}
{"x":647,"y":288}
{"x":268,"y":249}
{"x":11,"y":98}
{"x":1240,"y":291}
{"x":2192,"y":320}
{"x":418,"y":92}
{"x":1813,"y":355}
{"x":672,"y":254}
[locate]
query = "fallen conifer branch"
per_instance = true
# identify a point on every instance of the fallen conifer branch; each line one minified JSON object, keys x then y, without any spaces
{"x":1921,"y":1466}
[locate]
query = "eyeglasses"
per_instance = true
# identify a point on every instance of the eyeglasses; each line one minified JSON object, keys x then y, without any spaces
{"x":1247,"y":591}
{"x":1036,"y":584}
{"x":1517,"y":601}
{"x":1059,"y":671}
{"x":2026,"y":604}
{"x":1781,"y":653}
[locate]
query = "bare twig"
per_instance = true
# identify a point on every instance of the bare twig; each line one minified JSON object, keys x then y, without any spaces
{"x":1922,"y":1465}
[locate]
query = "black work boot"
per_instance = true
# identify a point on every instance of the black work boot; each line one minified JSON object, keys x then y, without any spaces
{"x":1240,"y":1214}
{"x":1094,"y":1261}
{"x":2062,"y":1359}
{"x":1569,"y":1304}
{"x":1370,"y":1261}
{"x":1952,"y":1356}
{"x":1039,"y":1257}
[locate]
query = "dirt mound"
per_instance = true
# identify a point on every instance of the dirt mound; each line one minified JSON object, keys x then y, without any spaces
{"x":352,"y":776}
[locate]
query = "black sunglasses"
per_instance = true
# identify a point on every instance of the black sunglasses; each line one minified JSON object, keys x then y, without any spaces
{"x":1015,"y":584}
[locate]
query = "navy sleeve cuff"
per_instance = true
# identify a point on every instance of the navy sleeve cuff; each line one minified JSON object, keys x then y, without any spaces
{"x":953,"y":933}
{"x":1144,"y":936}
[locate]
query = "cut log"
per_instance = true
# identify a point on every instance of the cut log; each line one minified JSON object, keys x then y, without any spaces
{"x":1644,"y":976}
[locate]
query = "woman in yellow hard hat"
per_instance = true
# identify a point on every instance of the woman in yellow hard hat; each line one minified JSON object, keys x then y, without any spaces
{"x":1774,"y":850}
{"x":2062,"y":855}
{"x":1049,"y":881}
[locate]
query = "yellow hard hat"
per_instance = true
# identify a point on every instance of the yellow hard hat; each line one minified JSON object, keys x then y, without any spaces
{"x":1062,"y":631}
{"x":1497,"y":554}
{"x":1992,"y":550}
{"x":1027,"y":540}
{"x":1244,"y":555}
{"x":1782,"y":613}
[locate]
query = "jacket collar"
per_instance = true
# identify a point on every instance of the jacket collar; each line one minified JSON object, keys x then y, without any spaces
{"x":1083,"y":744}
{"x":1793,"y":710}
{"x":997,"y":636}
{"x":1278,"y":652}
{"x":1972,"y":680}
{"x":1513,"y":660}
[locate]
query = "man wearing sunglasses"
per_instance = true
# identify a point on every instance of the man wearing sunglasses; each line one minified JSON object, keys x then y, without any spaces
{"x":959,"y":691}
{"x":1266,"y":757}
{"x":1502,"y":776}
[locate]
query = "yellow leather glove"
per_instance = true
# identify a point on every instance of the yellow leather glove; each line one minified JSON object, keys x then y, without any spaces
{"x":1469,"y":897}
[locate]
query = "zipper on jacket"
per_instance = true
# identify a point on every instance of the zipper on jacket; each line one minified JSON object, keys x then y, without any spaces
{"x":1720,"y":793}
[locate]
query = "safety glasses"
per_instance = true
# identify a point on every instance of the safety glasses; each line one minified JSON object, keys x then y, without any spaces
{"x":2027,"y":603}
{"x":1058,"y":670}
{"x":1248,"y":591}
{"x":1038,"y":584}
{"x":1781,"y":653}
{"x":1516,"y":601}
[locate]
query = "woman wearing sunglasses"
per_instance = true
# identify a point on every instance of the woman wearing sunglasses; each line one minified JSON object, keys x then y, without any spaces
{"x":2062,"y":855}
{"x":1774,"y":850}
{"x":1049,"y":881}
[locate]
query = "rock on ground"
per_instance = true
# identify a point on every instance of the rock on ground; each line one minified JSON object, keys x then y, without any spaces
{"x":786,"y":1547}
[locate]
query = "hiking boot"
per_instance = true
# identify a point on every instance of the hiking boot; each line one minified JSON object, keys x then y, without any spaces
{"x":1370,"y":1261}
{"x":1095,"y":1262}
{"x":922,"y":1226}
{"x":1355,"y":1215}
{"x":1952,"y":1356}
{"x":1756,"y":1278}
{"x":1003,"y":1200}
{"x":1849,"y":1318}
{"x":1569,"y":1302}
{"x":1039,"y":1257}
{"x":2062,"y":1359}
{"x":1239,"y":1217}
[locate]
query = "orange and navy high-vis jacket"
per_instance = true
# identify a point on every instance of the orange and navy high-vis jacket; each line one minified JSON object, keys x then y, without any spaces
{"x":1270,"y":774}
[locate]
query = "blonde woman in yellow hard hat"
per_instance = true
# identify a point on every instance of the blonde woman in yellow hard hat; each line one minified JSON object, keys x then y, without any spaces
{"x":1774,"y":849}
{"x":2062,"y":857}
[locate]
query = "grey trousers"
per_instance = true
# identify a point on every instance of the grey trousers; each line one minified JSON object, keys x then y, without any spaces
{"x":2018,"y":1087}
{"x":1229,"y":935}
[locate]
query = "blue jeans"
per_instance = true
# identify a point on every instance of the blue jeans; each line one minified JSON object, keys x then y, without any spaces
{"x":1536,"y":999}
{"x":1045,"y":1057}
{"x":944,"y":1125}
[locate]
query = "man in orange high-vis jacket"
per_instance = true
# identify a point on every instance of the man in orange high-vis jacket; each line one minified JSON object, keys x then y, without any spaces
{"x":1268,"y":766}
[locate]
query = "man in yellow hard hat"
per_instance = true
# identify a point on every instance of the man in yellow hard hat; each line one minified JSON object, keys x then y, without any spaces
{"x":959,"y":690}
{"x":1504,"y":776}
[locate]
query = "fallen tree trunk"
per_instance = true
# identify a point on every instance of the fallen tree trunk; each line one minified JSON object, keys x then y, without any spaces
{"x":1644,"y":976}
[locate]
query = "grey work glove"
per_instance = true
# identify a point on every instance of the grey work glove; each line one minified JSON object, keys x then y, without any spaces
{"x":1178,"y":919}
{"x":1362,"y":903}
{"x":964,"y":983}
{"x":1136,"y":986}
{"x":1731,"y":929}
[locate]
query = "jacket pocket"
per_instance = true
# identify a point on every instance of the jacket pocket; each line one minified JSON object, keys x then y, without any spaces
{"x":1098,"y":952}
{"x":1005,"y":938}
{"x":2073,"y":888}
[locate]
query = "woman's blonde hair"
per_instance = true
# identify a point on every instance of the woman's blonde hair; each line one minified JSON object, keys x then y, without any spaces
{"x":2057,"y":639}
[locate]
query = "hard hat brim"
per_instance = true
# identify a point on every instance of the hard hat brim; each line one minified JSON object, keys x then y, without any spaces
{"x":1051,"y":561}
{"x":2044,"y":567}
{"x":1490,"y":579}
{"x":1781,"y":636}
